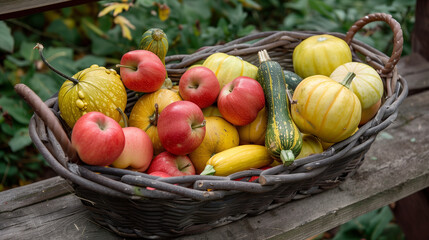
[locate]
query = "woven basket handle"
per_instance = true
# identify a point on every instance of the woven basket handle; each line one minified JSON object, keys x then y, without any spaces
{"x":398,"y":39}
{"x":48,"y":117}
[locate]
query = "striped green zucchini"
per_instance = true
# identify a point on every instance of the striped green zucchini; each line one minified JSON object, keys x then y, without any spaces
{"x":283,"y":138}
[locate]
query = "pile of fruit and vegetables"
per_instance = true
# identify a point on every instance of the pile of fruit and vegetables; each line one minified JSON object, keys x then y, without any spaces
{"x":224,"y":115}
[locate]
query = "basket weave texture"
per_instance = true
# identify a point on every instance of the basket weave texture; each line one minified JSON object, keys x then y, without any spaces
{"x":118,"y":198}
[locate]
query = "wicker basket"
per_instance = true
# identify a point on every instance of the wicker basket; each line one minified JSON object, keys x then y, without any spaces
{"x":118,"y":199}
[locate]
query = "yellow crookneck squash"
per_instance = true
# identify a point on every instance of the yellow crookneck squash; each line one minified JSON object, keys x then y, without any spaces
{"x":220,"y":135}
{"x":325,"y":108}
{"x":146,"y":110}
{"x":227,"y":67}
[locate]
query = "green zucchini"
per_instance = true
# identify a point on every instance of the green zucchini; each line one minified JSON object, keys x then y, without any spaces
{"x":283,"y":138}
{"x":292,"y":80}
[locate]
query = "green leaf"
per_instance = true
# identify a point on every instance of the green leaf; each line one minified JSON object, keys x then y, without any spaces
{"x":89,"y":60}
{"x":379,"y":222}
{"x":145,"y":3}
{"x":392,"y":232}
{"x":43,"y":85}
{"x":67,"y":34}
{"x":246,"y":31}
{"x":6,"y":39}
{"x":15,"y":109}
{"x":11,"y":171}
{"x":20,"y":140}
{"x":27,"y":52}
{"x":18,"y":62}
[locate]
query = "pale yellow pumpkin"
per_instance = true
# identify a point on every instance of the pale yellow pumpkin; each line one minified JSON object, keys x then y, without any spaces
{"x":227,"y":67}
{"x":367,"y":84}
{"x":220,"y":135}
{"x":143,"y":115}
{"x":326,"y":108}
{"x":320,"y":55}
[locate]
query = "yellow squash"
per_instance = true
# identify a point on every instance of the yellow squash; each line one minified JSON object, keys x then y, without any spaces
{"x":367,"y":85}
{"x":310,"y":145}
{"x":227,"y":67}
{"x":92,"y":89}
{"x":254,"y":132}
{"x":211,"y":111}
{"x":240,"y":158}
{"x":99,"y":89}
{"x":326,"y":108}
{"x":145,"y":112}
{"x":320,"y":54}
{"x":220,"y":135}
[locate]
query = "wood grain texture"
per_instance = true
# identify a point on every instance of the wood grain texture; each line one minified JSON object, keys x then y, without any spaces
{"x":19,"y":8}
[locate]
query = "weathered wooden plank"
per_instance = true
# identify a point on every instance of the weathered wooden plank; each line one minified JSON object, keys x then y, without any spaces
{"x":395,"y":167}
{"x":33,"y":193}
{"x":19,"y":8}
{"x":415,"y":69}
{"x":59,"y":218}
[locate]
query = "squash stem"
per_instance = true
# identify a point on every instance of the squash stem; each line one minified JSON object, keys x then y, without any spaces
{"x":126,"y":66}
{"x":263,"y":56}
{"x":208,"y":170}
{"x":158,"y":34}
{"x":39,"y":46}
{"x":123,"y":116}
{"x":287,"y":157}
{"x":289,"y":96}
{"x":348,"y":79}
{"x":154,"y":118}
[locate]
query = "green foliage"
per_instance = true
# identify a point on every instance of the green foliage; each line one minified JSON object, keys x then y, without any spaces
{"x":375,"y":225}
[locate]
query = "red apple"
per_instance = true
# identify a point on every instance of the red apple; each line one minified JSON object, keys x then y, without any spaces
{"x":98,"y":139}
{"x":200,"y":86}
{"x":173,"y":165}
{"x":158,"y":174}
{"x":240,"y":100}
{"x":138,"y":150}
{"x":142,"y":71}
{"x":181,"y":127}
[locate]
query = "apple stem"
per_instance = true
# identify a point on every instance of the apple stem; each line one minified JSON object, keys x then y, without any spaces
{"x":199,"y":125}
{"x":208,"y":170}
{"x":187,"y":165}
{"x":126,"y":66}
{"x":40,"y":47}
{"x":123,"y":116}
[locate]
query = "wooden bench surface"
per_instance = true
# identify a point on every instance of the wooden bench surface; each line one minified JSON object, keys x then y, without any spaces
{"x":19,"y":8}
{"x":395,"y":167}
